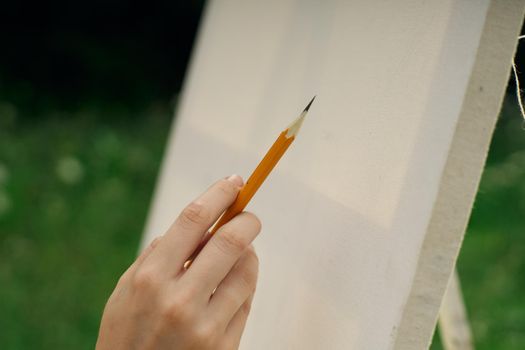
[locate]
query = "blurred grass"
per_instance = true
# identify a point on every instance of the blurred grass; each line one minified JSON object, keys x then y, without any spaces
{"x":74,"y":193}
{"x":75,"y":189}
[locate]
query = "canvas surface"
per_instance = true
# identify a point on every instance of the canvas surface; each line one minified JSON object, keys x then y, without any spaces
{"x":346,"y":212}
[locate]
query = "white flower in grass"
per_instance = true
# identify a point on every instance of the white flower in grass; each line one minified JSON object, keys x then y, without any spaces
{"x":70,"y":170}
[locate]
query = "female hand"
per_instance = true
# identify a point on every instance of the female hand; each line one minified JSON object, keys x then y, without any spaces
{"x":158,"y":304}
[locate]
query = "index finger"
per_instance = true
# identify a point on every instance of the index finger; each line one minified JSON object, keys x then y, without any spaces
{"x":190,"y":226}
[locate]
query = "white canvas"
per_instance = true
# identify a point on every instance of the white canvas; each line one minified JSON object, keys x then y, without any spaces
{"x":347,"y":211}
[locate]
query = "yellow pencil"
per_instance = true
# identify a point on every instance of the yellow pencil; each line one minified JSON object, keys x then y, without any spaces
{"x":279,"y":147}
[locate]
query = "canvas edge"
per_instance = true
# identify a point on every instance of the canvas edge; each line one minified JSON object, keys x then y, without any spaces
{"x":461,"y":175}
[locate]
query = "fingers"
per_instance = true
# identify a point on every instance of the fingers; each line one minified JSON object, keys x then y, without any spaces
{"x":236,"y":287}
{"x":222,"y":252}
{"x":237,"y":324}
{"x":188,"y":229}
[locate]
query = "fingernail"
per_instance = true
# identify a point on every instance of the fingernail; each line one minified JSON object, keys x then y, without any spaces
{"x":236,"y":179}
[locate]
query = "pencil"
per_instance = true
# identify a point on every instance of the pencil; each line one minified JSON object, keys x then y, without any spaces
{"x":256,"y":179}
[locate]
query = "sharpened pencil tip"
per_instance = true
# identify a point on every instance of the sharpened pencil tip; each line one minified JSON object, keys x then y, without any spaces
{"x":309,"y":104}
{"x":293,"y":128}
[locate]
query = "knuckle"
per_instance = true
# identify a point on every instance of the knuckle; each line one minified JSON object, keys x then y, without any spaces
{"x":176,"y":315}
{"x":178,"y":311}
{"x":205,"y":333}
{"x":230,"y":242}
{"x":145,"y":280}
{"x":195,"y":214}
{"x":227,"y":187}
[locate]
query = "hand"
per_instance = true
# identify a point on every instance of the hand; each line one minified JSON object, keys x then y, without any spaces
{"x":158,"y":304}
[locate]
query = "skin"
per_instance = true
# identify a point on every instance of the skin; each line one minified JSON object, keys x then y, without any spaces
{"x":158,"y":304}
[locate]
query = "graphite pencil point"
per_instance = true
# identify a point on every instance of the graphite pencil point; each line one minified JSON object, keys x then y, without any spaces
{"x":309,"y":104}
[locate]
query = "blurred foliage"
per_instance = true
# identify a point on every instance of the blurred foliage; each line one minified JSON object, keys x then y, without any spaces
{"x":74,"y":192}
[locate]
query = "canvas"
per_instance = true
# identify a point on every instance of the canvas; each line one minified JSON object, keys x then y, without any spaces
{"x":351,"y":255}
